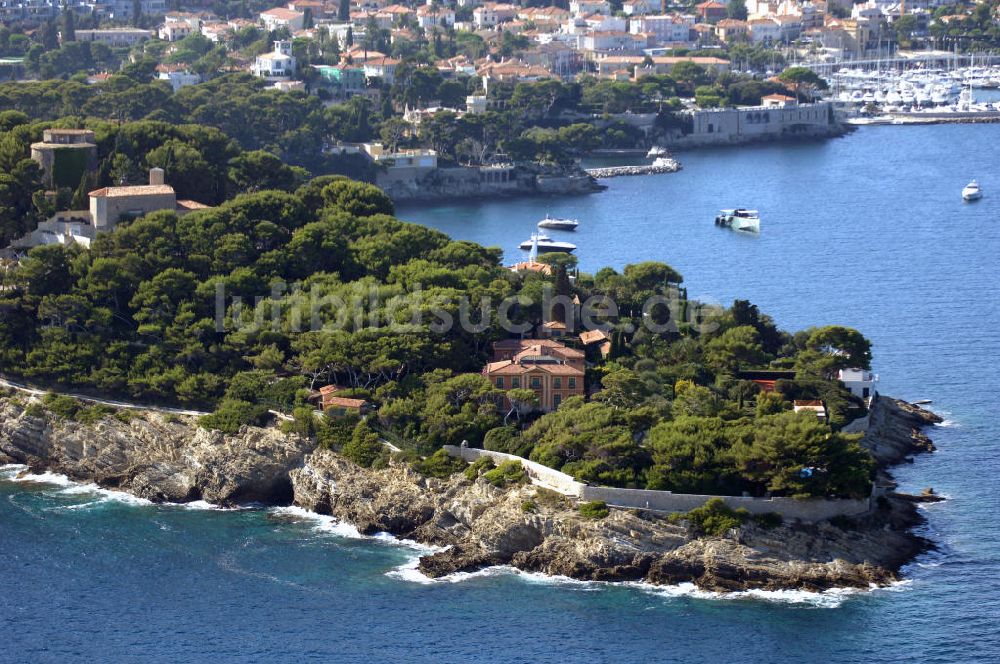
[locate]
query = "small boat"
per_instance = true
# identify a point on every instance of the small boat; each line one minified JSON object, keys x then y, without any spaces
{"x":558,"y":223}
{"x":739,"y":219}
{"x":541,"y":243}
{"x":657,"y":151}
{"x":972,"y":192}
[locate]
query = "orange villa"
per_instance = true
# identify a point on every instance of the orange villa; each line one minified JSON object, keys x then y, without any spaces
{"x":554,"y":371}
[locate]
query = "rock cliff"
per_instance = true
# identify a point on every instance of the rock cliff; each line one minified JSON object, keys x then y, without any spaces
{"x":168,"y":458}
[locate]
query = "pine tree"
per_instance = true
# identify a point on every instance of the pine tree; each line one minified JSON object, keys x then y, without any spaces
{"x":344,"y":13}
{"x":69,"y":24}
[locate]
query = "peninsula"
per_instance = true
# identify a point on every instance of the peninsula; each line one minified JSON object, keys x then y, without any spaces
{"x":617,"y":429}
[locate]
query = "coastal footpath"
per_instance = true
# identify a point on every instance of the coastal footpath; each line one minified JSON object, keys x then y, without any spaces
{"x":166,"y":457}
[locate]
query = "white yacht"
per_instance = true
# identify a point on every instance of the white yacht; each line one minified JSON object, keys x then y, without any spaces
{"x":541,"y":243}
{"x":657,"y":151}
{"x":558,"y":223}
{"x":739,"y":219}
{"x":972,"y":192}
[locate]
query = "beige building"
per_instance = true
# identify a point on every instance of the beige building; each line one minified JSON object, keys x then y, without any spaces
{"x":111,"y":204}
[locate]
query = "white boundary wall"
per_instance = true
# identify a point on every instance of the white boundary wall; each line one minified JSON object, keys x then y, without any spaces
{"x":812,"y":509}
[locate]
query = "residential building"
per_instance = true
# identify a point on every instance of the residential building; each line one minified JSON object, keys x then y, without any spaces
{"x":730,"y":30}
{"x":711,"y":11}
{"x":553,"y":371}
{"x":401,"y":158}
{"x":383,"y":68}
{"x":120,"y":37}
{"x":662,"y":64}
{"x":111,"y":204}
{"x":277,"y":65}
{"x":178,"y":26}
{"x":860,"y":382}
{"x":345,"y":81}
{"x":492,"y":14}
{"x":337,"y":406}
{"x":177,"y":75}
{"x":432,"y":17}
{"x":282,"y":17}
{"x":108,"y":206}
{"x":587,"y":7}
{"x":814,"y":406}
{"x":665,"y":28}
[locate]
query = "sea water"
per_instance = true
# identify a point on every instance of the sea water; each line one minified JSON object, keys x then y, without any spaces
{"x":868,"y":231}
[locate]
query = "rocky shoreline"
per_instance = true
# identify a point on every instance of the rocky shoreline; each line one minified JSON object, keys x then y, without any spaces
{"x":167,"y":458}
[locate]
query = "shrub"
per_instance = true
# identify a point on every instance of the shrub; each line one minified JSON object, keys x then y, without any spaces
{"x":529,"y":507}
{"x":508,"y":473}
{"x":94,"y":414}
{"x":768,"y":520}
{"x":596,"y":509}
{"x":364,"y":448}
{"x":478,"y":467}
{"x":333,"y":433}
{"x":549,"y":498}
{"x":714,"y":517}
{"x":233,"y":414}
{"x":65,"y":408}
{"x":440,"y":465}
{"x":35,"y":409}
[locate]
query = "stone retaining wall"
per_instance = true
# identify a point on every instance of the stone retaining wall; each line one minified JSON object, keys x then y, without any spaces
{"x":813,"y":509}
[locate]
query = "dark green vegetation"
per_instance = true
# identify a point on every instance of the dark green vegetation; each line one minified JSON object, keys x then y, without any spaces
{"x":136,"y":316}
{"x":596,"y":509}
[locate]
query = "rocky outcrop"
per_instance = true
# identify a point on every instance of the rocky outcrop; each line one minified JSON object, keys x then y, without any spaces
{"x":540,"y":531}
{"x":895,"y":430}
{"x":476,"y":525}
{"x":164,"y":458}
{"x":443,"y":184}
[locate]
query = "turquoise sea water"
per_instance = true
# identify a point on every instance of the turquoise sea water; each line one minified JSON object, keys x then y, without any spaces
{"x":868,"y":230}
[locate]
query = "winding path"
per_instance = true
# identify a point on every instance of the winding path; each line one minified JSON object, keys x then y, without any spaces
{"x":20,"y":387}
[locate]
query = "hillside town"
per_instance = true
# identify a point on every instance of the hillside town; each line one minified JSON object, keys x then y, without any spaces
{"x":349,"y":45}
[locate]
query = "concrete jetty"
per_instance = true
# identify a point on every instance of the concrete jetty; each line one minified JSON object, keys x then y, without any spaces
{"x":661,"y":165}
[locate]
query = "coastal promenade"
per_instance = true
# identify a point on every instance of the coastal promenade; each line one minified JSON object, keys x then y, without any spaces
{"x":809,"y":509}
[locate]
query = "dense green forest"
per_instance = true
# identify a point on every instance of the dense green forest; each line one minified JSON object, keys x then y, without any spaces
{"x":136,"y":316}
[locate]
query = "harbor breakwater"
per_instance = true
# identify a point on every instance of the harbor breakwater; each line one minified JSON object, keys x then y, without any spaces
{"x":659,"y":166}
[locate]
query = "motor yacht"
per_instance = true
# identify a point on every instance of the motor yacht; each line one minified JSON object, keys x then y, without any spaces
{"x":972,"y":192}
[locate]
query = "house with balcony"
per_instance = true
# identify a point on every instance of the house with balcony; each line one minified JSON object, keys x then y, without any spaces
{"x":552,"y":370}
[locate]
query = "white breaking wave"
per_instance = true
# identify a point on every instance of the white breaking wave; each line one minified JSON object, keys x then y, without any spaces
{"x":324,"y":523}
{"x":70,"y":487}
{"x":832,"y":598}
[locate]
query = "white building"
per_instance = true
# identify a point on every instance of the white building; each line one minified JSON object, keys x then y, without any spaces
{"x":860,"y":382}
{"x":492,"y":14}
{"x":667,"y":29}
{"x":587,"y":7}
{"x":178,"y":26}
{"x":178,"y":76}
{"x":429,"y":17}
{"x":276,"y":65}
{"x":115,"y":36}
{"x":282,"y":17}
